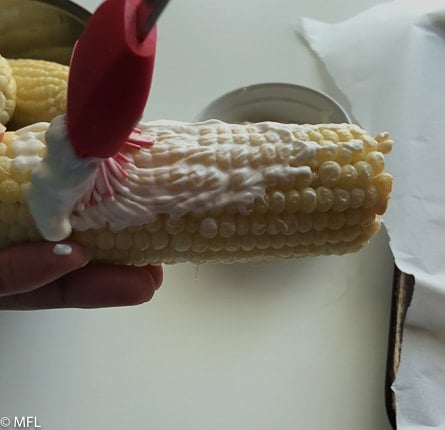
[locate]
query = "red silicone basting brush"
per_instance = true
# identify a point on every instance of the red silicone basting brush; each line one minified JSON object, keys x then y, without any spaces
{"x":110,"y":75}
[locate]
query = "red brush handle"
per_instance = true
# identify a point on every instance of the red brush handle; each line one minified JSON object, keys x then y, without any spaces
{"x":110,"y":77}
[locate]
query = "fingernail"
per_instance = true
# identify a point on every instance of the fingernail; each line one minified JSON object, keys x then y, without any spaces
{"x":84,"y":263}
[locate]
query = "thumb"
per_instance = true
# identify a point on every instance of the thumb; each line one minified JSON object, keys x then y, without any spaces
{"x":33,"y":265}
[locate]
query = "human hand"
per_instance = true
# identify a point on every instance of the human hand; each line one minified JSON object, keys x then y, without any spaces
{"x":40,"y":276}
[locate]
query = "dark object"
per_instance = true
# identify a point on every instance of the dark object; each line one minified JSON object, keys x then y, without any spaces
{"x":148,"y":13}
{"x":403,"y":288}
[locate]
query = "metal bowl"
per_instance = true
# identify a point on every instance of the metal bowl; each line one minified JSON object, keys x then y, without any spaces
{"x":40,"y":29}
{"x":279,"y":102}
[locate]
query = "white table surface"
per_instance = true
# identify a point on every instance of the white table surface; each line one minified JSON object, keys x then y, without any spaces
{"x":290,"y":345}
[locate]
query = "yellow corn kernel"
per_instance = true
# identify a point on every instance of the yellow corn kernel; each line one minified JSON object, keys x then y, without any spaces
{"x":328,"y":207}
{"x":10,"y":191}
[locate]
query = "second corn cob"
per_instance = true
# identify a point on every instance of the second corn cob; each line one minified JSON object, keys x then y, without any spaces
{"x":8,"y":91}
{"x":214,"y":192}
{"x":41,"y":90}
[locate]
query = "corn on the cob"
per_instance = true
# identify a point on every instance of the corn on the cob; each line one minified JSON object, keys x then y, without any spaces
{"x":215,"y":192}
{"x":41,"y":90}
{"x":8,"y":90}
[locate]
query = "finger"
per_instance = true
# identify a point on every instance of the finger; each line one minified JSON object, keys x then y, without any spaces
{"x":93,"y":286}
{"x":157,"y":273}
{"x":27,"y":267}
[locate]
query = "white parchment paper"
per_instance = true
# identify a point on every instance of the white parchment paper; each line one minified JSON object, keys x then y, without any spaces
{"x":390,"y":63}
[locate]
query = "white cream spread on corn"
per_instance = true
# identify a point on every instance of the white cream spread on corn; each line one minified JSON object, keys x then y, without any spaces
{"x":201,"y":168}
{"x":62,"y":249}
{"x":58,"y":182}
